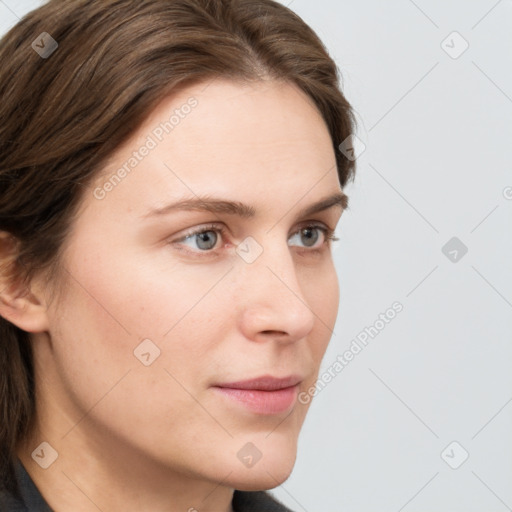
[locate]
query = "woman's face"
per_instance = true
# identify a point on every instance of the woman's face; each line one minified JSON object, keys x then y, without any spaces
{"x":154,"y":318}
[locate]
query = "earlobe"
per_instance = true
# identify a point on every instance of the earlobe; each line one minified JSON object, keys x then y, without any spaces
{"x":18,"y":304}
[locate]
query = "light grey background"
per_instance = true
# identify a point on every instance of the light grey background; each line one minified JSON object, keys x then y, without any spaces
{"x":437,"y":164}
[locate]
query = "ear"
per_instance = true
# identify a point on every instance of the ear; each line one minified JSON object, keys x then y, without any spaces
{"x":24,"y":307}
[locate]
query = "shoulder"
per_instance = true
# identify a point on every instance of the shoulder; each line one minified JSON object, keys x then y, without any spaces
{"x":25,"y":498}
{"x":8,"y":503}
{"x":256,"y":501}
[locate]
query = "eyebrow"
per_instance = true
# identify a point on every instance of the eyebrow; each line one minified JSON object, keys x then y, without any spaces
{"x":214,"y":205}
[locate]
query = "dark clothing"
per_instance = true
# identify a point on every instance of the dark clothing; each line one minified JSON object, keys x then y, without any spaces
{"x":32,"y":501}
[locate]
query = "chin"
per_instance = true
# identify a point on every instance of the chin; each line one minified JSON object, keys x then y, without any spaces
{"x":260,"y":480}
{"x":267,"y":473}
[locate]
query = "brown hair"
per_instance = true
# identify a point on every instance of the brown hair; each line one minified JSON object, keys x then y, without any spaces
{"x":64,"y":113}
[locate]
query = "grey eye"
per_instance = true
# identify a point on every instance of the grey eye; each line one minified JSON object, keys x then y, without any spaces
{"x":308,"y":236}
{"x":206,"y":240}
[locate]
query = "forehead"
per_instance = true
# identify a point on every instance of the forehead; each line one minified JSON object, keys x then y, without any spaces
{"x":263,"y":139}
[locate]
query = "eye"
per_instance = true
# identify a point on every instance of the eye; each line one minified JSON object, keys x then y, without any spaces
{"x":309,"y":235}
{"x":205,"y":238}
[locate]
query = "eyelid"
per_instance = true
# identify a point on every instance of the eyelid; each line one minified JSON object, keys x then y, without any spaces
{"x":200,"y":229}
{"x":218,"y":227}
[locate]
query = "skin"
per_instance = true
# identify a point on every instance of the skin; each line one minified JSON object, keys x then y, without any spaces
{"x":134,"y":437}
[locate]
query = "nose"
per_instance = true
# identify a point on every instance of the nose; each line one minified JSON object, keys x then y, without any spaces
{"x":271,"y":301}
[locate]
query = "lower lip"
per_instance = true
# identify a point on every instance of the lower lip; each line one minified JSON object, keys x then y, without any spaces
{"x":263,"y":402}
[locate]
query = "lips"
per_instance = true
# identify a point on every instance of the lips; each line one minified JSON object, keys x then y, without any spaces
{"x":264,"y":383}
{"x":263,"y":395}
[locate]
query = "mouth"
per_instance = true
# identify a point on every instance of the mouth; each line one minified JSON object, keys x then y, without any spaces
{"x":263,"y":395}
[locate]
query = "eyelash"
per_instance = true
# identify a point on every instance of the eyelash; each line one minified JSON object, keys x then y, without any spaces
{"x":327,"y":232}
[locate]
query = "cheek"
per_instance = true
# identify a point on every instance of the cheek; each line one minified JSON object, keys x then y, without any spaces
{"x":134,"y":298}
{"x":94,"y":335}
{"x":321,"y":290}
{"x":107,"y":324}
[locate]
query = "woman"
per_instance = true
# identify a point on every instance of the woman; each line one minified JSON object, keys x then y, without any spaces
{"x":170,"y":183}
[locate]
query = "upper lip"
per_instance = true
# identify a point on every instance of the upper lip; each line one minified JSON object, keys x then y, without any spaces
{"x":263,"y":383}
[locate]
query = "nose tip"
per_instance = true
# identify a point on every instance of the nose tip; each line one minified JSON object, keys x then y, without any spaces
{"x":277,"y":309}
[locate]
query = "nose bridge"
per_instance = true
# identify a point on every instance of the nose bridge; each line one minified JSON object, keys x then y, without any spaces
{"x":272,"y":262}
{"x":272,"y":298}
